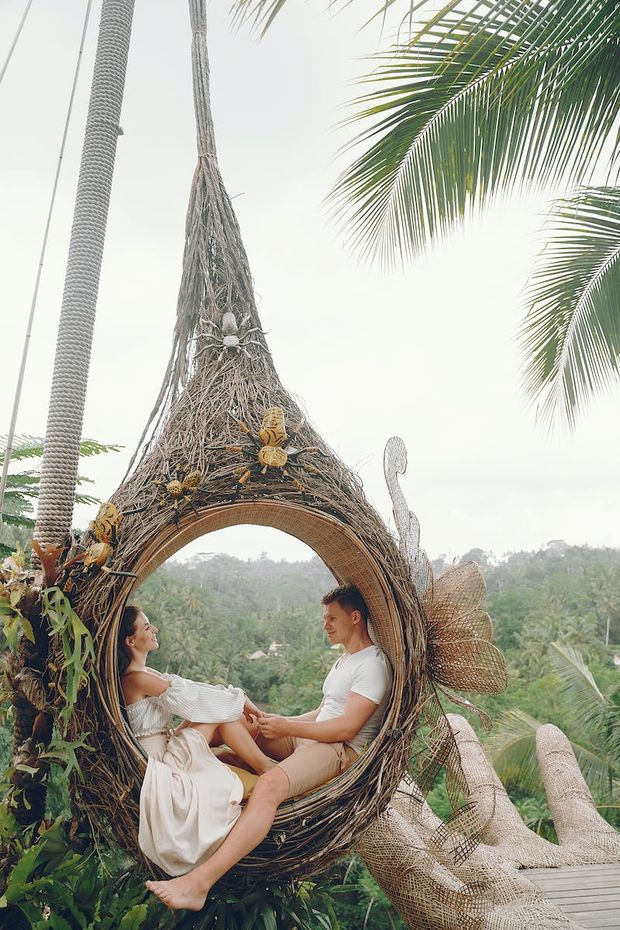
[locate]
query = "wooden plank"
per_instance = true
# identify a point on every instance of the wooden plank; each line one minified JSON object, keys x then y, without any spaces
{"x":580,"y":879}
{"x":591,"y":906}
{"x":592,"y":920}
{"x":598,"y":867}
{"x":568,"y":884}
{"x":593,"y":870}
{"x":580,"y":892}
{"x":589,"y":895}
{"x":577,"y":869}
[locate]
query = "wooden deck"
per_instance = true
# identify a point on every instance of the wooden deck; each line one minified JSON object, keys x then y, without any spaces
{"x":588,"y":894}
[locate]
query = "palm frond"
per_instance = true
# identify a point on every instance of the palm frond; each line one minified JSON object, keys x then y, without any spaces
{"x":577,"y":683}
{"x":571,"y":334}
{"x":513,"y":753}
{"x":23,"y":447}
{"x":260,"y":14}
{"x":23,"y":486}
{"x":17,"y":519}
{"x":465,"y":110}
{"x":513,"y":750}
{"x":86,"y":499}
{"x":90,"y":447}
{"x":613,"y":738}
{"x":560,"y":23}
{"x":31,"y":447}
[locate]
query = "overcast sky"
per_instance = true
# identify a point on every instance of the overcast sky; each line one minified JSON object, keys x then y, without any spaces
{"x":428,"y":354}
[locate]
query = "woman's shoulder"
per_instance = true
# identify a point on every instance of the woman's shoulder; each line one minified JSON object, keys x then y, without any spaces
{"x":141,"y":683}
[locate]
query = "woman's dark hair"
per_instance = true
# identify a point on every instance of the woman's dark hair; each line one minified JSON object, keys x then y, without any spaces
{"x":126,"y":628}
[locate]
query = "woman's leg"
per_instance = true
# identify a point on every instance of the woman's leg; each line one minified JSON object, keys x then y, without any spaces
{"x":240,"y":741}
{"x":190,"y":891}
{"x":252,"y":729}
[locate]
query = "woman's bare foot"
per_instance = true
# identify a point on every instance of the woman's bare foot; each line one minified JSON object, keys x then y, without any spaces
{"x":183,"y":893}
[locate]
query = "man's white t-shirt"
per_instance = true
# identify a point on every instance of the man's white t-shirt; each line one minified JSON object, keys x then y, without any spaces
{"x":366,"y":672}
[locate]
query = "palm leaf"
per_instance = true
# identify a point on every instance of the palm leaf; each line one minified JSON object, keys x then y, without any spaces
{"x":513,"y":750}
{"x":513,"y":753}
{"x":577,"y":684}
{"x":21,"y":486}
{"x":571,"y":334}
{"x":23,"y":447}
{"x":29,"y":447}
{"x":467,"y":109}
{"x":260,"y":14}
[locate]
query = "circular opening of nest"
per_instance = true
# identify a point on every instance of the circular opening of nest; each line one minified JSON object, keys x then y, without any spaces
{"x":309,"y":832}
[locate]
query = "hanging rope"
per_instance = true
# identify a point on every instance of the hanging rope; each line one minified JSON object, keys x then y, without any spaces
{"x":17,"y":35}
{"x":22,"y":368}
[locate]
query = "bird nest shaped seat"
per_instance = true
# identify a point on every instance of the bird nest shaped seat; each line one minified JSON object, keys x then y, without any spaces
{"x":312,"y":831}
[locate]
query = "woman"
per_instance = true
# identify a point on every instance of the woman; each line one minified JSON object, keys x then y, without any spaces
{"x":189,"y":799}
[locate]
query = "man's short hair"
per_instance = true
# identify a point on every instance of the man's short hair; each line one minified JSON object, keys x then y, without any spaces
{"x":349,"y":597}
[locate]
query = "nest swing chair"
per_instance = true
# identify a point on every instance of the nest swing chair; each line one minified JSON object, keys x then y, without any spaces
{"x":226,"y":445}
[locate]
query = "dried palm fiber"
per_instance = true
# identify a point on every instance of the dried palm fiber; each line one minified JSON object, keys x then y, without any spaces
{"x":487,"y":890}
{"x":585,"y":838}
{"x":432,"y":897}
{"x":220,"y":366}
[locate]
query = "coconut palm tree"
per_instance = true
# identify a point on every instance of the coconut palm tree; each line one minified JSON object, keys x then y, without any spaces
{"x":491,"y":98}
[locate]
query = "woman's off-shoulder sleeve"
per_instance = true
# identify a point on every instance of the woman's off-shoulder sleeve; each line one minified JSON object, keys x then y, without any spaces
{"x":201,"y":703}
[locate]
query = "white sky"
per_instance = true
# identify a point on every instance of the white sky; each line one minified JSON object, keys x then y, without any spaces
{"x":428,"y":354}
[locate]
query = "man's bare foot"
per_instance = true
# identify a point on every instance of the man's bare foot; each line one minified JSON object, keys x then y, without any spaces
{"x":183,"y":893}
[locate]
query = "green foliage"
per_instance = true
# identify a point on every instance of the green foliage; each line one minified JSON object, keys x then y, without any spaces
{"x":591,"y":724}
{"x":438,"y":799}
{"x":359,"y":902}
{"x":484,"y":99}
{"x":305,"y":905}
{"x":213,"y":612}
{"x":77,"y":646}
{"x":23,"y":486}
{"x":535,"y":814}
{"x":14,"y":623}
{"x":49,"y":883}
{"x":571,"y":334}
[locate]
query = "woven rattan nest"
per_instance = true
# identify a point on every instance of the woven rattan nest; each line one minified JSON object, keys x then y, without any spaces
{"x":332,"y":516}
{"x":205,"y":470}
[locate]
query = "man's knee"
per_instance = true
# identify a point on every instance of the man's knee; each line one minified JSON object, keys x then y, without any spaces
{"x":272,"y":787}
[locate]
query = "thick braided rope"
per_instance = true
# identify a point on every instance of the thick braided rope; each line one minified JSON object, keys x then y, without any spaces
{"x":33,"y":304}
{"x":75,"y":334}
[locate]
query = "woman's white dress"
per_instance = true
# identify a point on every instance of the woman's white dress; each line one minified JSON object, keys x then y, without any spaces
{"x":189,"y":800}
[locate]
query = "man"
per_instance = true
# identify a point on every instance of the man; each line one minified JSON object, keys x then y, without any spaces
{"x":311,"y":748}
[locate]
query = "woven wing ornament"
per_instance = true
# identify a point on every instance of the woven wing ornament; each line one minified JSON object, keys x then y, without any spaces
{"x":460,"y":652}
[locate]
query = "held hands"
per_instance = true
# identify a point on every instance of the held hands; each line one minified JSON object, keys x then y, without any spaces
{"x":272,"y":726}
{"x":251,"y":712}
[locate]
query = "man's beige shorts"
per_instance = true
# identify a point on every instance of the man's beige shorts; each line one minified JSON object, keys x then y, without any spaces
{"x":309,"y":764}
